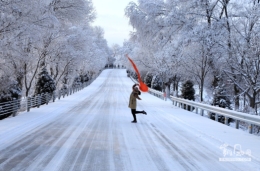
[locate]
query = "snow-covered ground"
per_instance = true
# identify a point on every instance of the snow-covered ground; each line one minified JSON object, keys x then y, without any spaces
{"x":91,"y":130}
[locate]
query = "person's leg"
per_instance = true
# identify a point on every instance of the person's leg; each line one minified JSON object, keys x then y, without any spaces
{"x":143,"y":112}
{"x":133,"y":113}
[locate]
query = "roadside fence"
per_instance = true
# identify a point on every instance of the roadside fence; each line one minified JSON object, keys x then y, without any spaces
{"x":11,"y":108}
{"x":201,"y":109}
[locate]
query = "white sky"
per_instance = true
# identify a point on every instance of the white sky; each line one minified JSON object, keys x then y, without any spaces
{"x":111,"y":17}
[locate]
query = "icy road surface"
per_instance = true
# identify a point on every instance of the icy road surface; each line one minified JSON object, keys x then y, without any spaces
{"x":91,"y":130}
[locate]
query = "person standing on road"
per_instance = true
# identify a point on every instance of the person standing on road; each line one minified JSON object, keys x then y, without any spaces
{"x":132,"y":102}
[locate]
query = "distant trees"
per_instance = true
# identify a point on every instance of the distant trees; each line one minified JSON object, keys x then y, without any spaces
{"x":78,"y":81}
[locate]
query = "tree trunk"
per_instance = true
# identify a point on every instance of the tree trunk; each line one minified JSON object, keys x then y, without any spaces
{"x":236,"y":93}
{"x":202,"y":84}
{"x":201,"y":94}
{"x":252,"y":100}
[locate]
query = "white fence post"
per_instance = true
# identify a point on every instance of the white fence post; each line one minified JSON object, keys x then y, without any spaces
{"x":216,"y":117}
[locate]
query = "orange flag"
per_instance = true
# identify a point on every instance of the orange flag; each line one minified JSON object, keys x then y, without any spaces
{"x":143,"y":86}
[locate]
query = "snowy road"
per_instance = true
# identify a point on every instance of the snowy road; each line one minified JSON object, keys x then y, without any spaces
{"x":91,"y":130}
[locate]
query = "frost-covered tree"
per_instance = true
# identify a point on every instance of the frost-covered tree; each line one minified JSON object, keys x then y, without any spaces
{"x":77,"y":82}
{"x":156,"y":83}
{"x":73,"y":11}
{"x":221,"y":98}
{"x":45,"y":83}
{"x":17,"y":44}
{"x":134,"y":75}
{"x":154,"y":37}
{"x":244,"y":64}
{"x":148,"y":79}
{"x":9,"y":91}
{"x":198,"y":40}
{"x":57,"y":33}
{"x":167,"y":30}
{"x":81,"y":79}
{"x":187,"y":90}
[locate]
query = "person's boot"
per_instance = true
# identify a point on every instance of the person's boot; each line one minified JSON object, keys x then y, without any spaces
{"x":144,"y":112}
{"x":134,"y":121}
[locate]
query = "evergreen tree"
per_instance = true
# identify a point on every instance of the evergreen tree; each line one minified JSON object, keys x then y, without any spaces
{"x":65,"y":81}
{"x":9,"y":91}
{"x":148,"y":79}
{"x":134,"y":75}
{"x":156,"y":83}
{"x":45,"y":83}
{"x":221,"y":98}
{"x":187,"y":91}
{"x":77,"y":82}
{"x":84,"y":78}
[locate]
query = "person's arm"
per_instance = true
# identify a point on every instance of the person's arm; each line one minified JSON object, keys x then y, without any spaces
{"x":136,"y":96}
